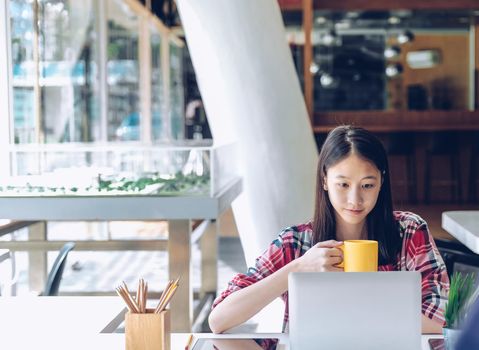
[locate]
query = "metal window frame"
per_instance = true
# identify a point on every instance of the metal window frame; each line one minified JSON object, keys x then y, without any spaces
{"x":6,"y":105}
{"x":146,"y":20}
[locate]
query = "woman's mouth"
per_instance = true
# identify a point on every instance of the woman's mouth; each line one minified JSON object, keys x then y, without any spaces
{"x":355,"y":211}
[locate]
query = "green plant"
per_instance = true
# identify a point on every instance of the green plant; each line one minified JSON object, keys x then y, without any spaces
{"x":460,"y":293}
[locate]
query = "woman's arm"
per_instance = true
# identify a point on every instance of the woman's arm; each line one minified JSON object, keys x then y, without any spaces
{"x":423,"y":256}
{"x":243,"y":304}
{"x":430,"y":326}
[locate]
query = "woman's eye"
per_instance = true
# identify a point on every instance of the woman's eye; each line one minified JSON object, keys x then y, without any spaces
{"x":343,"y":185}
{"x":368,"y":186}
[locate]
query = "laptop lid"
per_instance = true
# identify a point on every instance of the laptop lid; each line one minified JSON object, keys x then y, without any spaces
{"x":360,"y":310}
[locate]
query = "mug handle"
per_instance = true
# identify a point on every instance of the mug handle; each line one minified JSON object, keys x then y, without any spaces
{"x":341,"y":264}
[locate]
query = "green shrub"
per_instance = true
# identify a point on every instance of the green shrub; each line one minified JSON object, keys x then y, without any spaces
{"x":460,"y":294}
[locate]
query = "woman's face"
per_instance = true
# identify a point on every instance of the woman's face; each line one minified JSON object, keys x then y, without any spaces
{"x":353,"y":186}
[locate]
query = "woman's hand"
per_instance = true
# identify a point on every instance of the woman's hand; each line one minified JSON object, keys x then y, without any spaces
{"x":322,"y":257}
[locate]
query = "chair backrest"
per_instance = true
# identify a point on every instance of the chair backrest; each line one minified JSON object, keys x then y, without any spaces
{"x":55,"y":274}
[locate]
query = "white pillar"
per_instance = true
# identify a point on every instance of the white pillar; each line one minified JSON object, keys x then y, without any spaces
{"x":5,"y":89}
{"x":252,"y":95}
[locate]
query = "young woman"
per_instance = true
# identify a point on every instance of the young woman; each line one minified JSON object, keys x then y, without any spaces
{"x":353,"y":201}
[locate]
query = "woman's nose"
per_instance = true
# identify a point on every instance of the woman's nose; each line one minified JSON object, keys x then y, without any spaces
{"x":354,"y":197}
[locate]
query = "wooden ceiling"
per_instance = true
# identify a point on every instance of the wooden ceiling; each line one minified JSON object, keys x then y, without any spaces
{"x":396,"y":4}
{"x":292,"y":5}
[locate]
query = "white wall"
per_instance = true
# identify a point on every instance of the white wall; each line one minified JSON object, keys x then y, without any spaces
{"x":252,"y":95}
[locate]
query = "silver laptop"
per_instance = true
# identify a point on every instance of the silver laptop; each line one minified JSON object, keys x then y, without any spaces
{"x":359,"y":310}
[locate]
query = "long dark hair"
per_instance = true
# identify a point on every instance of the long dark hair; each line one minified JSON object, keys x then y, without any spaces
{"x":381,"y":225}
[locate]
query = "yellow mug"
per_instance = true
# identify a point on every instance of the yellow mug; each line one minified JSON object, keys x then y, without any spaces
{"x":359,"y":256}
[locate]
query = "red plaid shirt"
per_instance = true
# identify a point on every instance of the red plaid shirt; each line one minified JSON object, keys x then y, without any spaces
{"x":418,"y":253}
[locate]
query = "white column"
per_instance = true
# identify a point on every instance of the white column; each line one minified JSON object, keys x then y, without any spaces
{"x":6,"y":110}
{"x":252,"y":95}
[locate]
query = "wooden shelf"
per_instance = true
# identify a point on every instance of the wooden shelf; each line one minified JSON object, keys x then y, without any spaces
{"x":385,"y":121}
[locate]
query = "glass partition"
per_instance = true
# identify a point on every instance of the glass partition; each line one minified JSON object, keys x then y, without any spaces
{"x":393,"y":60}
{"x":77,"y":77}
{"x":68,"y":71}
{"x":23,"y":69}
{"x":351,"y":75}
{"x":177,"y":103}
{"x":157,"y":94}
{"x":123,"y":73}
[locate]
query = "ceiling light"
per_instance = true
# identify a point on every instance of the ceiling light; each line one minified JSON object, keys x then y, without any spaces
{"x":405,"y":37}
{"x":327,"y":80}
{"x":329,"y":38}
{"x":394,"y":20}
{"x":393,"y":70}
{"x":321,"y":20}
{"x":352,"y":14}
{"x":392,"y":51}
{"x":314,"y":68}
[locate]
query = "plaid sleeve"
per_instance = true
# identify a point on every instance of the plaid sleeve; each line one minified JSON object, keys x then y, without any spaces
{"x":423,"y":256}
{"x":280,"y":252}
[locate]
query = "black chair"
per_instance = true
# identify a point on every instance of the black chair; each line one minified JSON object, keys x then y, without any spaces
{"x":457,"y":257}
{"x":56,"y":273}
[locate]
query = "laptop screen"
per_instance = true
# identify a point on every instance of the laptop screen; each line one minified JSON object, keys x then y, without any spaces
{"x":355,"y":310}
{"x":235,"y":344}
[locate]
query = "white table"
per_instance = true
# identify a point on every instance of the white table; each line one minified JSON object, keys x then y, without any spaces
{"x":464,"y":226}
{"x":179,"y":211}
{"x":77,"y":322}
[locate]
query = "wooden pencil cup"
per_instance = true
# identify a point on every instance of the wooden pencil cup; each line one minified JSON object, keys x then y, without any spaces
{"x":149,"y":331}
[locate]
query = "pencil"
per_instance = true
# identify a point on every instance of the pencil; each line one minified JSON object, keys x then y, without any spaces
{"x":127,"y":302}
{"x":138,"y":296}
{"x":145,"y":295}
{"x":124,"y":287}
{"x":128,"y":299}
{"x":188,"y":343}
{"x":163,"y":295}
{"x":165,"y":301}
